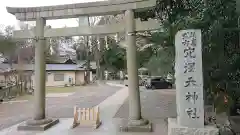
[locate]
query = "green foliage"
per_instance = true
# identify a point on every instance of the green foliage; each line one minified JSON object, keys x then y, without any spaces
{"x":221,"y":105}
{"x":7,"y":44}
{"x":114,"y":58}
{"x":220,"y":48}
{"x":161,"y":62}
{"x":144,"y":56}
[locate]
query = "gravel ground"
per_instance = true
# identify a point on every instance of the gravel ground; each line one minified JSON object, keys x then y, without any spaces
{"x":57,"y":107}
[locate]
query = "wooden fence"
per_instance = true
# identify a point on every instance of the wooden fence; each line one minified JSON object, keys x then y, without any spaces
{"x":87,"y":117}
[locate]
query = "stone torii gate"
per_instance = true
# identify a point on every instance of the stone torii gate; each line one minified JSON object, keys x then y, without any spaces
{"x":39,"y":33}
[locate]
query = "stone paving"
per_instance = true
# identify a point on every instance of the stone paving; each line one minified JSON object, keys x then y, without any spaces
{"x":157,"y":106}
{"x":56,"y":107}
{"x":59,"y":94}
{"x":108,"y":109}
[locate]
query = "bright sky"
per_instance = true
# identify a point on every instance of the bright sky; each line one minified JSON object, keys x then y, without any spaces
{"x":8,"y":19}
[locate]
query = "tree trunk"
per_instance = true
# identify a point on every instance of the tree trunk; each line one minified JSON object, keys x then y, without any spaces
{"x":101,"y":67}
{"x":25,"y":84}
{"x":97,"y":60}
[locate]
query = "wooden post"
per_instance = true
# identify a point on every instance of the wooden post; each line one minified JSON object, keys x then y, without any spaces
{"x":93,"y":114}
{"x":89,"y":116}
{"x":85,"y":120}
{"x":75,"y":118}
{"x":97,"y":115}
{"x":84,"y":114}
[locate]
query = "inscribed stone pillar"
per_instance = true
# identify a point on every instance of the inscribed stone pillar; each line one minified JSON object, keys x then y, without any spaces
{"x":40,"y":69}
{"x":189,"y":80}
{"x":133,"y":88}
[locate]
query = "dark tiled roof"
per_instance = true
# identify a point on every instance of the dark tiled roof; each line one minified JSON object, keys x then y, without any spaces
{"x":84,"y":64}
{"x":49,"y":67}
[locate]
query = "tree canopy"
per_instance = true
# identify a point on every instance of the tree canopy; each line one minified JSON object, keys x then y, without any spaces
{"x":220,"y":44}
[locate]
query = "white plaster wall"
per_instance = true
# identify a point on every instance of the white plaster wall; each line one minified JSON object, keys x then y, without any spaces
{"x":80,"y":78}
{"x":50,"y":80}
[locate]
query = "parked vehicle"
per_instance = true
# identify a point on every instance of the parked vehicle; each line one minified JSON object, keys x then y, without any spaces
{"x":169,"y":78}
{"x":141,"y":81}
{"x":144,"y":79}
{"x":158,"y":83}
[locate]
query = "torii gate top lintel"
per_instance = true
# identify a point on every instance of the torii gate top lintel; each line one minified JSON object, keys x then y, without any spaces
{"x":79,"y":9}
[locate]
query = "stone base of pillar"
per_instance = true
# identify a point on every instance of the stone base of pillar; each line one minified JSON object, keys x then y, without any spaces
{"x":38,"y":125}
{"x":175,"y":129}
{"x":136,"y":126}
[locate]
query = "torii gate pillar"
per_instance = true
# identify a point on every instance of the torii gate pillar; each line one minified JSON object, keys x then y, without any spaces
{"x":39,"y":120}
{"x":135,"y":121}
{"x":40,"y":68}
{"x":40,"y":14}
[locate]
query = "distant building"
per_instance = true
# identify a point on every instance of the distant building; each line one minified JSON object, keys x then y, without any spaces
{"x":56,"y":74}
{"x":65,"y":71}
